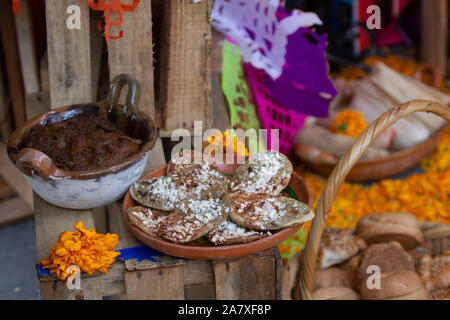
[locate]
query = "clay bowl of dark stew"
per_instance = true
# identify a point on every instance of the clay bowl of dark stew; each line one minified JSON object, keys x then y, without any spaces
{"x":87,"y":155}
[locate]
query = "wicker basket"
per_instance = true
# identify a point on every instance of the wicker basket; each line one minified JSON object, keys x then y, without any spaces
{"x":437,"y":234}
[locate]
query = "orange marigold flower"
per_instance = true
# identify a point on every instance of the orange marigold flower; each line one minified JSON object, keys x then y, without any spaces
{"x":87,"y":249}
{"x":349,"y":122}
{"x":224,"y":141}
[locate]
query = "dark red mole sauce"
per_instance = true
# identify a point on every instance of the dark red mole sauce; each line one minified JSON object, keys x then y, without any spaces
{"x":84,"y":142}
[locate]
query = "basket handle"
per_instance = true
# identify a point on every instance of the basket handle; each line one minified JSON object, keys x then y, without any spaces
{"x":340,"y":172}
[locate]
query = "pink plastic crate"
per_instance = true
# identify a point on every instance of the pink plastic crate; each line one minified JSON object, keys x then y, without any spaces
{"x":272,"y":114}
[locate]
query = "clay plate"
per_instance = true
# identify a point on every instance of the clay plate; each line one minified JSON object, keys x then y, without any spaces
{"x":206,"y":251}
{"x":382,"y":168}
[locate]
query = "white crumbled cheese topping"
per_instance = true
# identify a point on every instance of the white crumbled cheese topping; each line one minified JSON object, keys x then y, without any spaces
{"x":203,"y":211}
{"x":148,"y":219}
{"x":229,"y":231}
{"x":163,"y":188}
{"x":199,"y":179}
{"x":265,"y":211}
{"x":198,"y":214}
{"x":264,"y":169}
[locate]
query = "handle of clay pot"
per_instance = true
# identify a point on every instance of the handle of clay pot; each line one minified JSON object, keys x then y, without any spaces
{"x":133,"y":96}
{"x":337,"y":178}
{"x":34,"y":162}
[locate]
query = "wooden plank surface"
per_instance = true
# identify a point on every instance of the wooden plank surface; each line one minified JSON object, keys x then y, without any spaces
{"x":247,"y":278}
{"x":156,"y":157}
{"x":199,"y":281}
{"x":69,"y":55}
{"x":133,"y":53}
{"x":27,"y":52}
{"x":14,"y":210}
{"x":91,"y":289}
{"x":155,"y":284}
{"x":434,"y":33}
{"x":118,"y":226}
{"x":14,"y":177}
{"x":6,"y":192}
{"x":186,"y":64}
{"x":50,"y":221}
{"x":37,"y":103}
{"x":12,"y":62}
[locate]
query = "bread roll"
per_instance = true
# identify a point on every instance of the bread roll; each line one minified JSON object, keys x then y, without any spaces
{"x":332,"y":277}
{"x":435,"y":272}
{"x":396,"y":285}
{"x":334,"y":144}
{"x":336,"y":246}
{"x":335,"y":293}
{"x":384,"y":227}
{"x":388,"y":257}
{"x":441,"y":294}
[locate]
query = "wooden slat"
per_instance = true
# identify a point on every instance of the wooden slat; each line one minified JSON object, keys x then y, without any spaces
{"x":133,"y":53}
{"x":156,"y":157}
{"x":246,"y":278}
{"x":91,"y":289}
{"x":198,"y":273}
{"x":14,"y":210}
{"x":27,"y":52}
{"x":12,"y":62}
{"x":155,"y":284}
{"x":109,"y":284}
{"x":205,"y":292}
{"x":186,"y":64}
{"x":37,"y":103}
{"x":14,"y":177}
{"x":191,"y":279}
{"x":434,"y":33}
{"x":118,"y":226}
{"x":70,"y":83}
{"x":50,"y":221}
{"x":6,"y":191}
{"x":69,"y":55}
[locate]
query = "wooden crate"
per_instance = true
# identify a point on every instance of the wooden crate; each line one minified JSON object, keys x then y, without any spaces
{"x":163,"y":277}
{"x":255,"y":278}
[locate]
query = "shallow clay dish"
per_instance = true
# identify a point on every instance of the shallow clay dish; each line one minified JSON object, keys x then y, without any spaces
{"x":202,"y":249}
{"x":371,"y":170}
